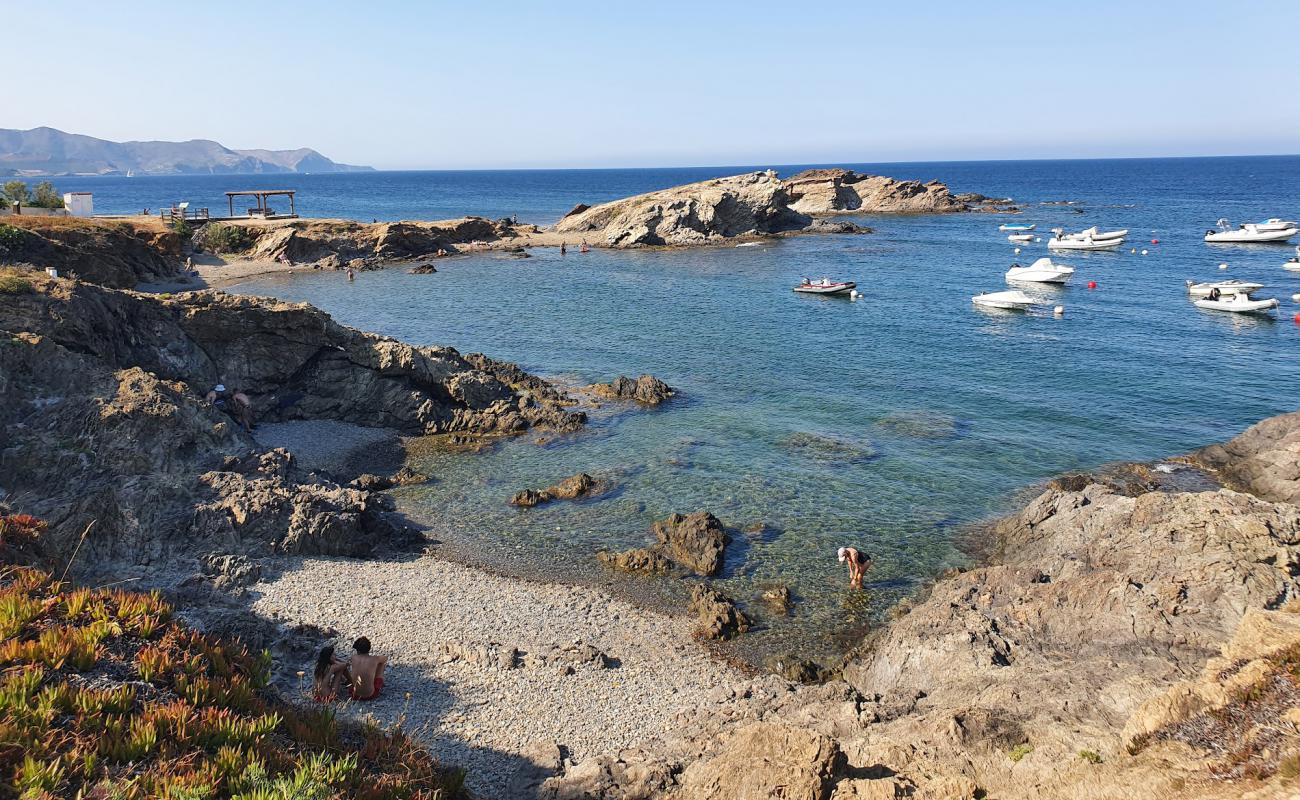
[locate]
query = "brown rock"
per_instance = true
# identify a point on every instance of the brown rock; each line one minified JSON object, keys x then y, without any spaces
{"x":642,"y":560}
{"x":575,"y":487}
{"x":696,"y":541}
{"x":1264,"y":460}
{"x":843,"y":191}
{"x":718,"y":616}
{"x":766,"y":760}
{"x":646,"y":389}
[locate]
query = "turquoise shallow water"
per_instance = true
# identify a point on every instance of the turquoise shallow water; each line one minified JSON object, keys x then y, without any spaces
{"x":940,"y":413}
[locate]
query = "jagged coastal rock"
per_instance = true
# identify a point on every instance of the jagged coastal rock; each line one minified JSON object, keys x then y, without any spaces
{"x":647,"y":390}
{"x":111,"y":253}
{"x":105,"y":428}
{"x":843,"y":191}
{"x":575,"y":487}
{"x":695,"y":542}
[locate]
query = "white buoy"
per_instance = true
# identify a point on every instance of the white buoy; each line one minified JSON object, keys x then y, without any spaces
{"x":1144,"y":252}
{"x":1017,"y":251}
{"x":1039,"y":240}
{"x":1059,"y":311}
{"x":1223,"y":266}
{"x":1296,"y":297}
{"x":1134,"y":250}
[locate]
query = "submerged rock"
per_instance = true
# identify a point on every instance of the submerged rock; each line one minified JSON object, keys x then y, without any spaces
{"x":821,"y":447}
{"x":920,"y":424}
{"x":696,"y":541}
{"x":718,"y":616}
{"x":778,"y":597}
{"x":423,"y":269}
{"x":642,"y":560}
{"x":647,"y":390}
{"x":575,"y":487}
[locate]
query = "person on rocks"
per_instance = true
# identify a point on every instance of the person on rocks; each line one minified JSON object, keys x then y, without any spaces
{"x":367,"y":671}
{"x":332,"y":674}
{"x":243,"y":410}
{"x":859,"y":563}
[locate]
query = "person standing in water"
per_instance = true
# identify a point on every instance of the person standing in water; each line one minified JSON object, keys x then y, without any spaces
{"x":859,"y":563}
{"x":563,"y":248}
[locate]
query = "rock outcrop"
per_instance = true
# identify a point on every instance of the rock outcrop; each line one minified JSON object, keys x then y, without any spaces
{"x":1265,"y":460}
{"x":292,"y":360}
{"x":104,"y":429}
{"x":336,"y":242}
{"x":696,"y":541}
{"x":647,"y":390}
{"x":698,"y":213}
{"x":843,"y":191}
{"x":120,"y":254}
{"x":716,"y":613}
{"x":575,"y":487}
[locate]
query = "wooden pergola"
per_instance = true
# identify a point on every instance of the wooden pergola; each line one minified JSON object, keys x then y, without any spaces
{"x":261,"y":195}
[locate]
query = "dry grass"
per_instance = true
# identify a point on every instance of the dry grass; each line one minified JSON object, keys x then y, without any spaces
{"x":102,"y":694}
{"x":150,"y":224}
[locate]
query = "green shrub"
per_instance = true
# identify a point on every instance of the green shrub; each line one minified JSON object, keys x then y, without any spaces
{"x":15,"y":284}
{"x":1020,"y":751}
{"x":47,"y":196}
{"x":11,"y":238}
{"x":16,"y":191}
{"x":1091,"y":756}
{"x":217,"y":237}
{"x":182,"y":228}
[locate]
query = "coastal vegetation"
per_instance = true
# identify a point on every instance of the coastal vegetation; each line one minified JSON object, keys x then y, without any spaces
{"x":219,"y":237}
{"x":103,"y":693}
{"x":43,"y":196}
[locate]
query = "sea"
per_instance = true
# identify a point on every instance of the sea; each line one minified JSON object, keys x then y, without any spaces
{"x":896,"y":423}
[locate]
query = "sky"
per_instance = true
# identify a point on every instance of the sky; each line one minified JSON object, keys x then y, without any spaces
{"x":439,"y":85}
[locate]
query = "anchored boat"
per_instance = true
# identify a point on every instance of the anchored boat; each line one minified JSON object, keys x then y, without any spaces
{"x":1218,"y":289}
{"x":1015,"y":226}
{"x":1013,"y":300}
{"x":1238,"y":303}
{"x":825,"y":286}
{"x":1041,"y":271}
{"x":1273,"y":230}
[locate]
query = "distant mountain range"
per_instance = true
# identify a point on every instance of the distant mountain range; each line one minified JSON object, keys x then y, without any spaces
{"x":46,"y":151}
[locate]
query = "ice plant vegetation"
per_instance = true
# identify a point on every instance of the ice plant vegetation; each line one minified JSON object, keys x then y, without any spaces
{"x":103,"y":694}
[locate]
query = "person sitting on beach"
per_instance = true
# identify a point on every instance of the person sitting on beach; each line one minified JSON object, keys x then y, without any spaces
{"x":331,"y":675}
{"x":859,"y":563}
{"x":367,"y":671}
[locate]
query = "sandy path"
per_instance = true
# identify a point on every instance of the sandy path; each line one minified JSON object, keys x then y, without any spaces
{"x":483,"y":717}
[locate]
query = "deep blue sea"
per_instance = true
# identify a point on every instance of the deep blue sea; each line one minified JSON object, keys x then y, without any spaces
{"x":947,"y":412}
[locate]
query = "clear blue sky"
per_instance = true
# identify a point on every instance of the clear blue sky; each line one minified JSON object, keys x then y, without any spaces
{"x":575,"y":84}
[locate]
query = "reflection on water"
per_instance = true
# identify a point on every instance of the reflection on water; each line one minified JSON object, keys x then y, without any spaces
{"x":888,"y":423}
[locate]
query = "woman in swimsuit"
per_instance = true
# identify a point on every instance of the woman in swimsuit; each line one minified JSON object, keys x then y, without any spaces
{"x":859,"y":563}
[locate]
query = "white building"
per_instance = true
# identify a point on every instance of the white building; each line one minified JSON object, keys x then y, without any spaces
{"x":79,"y":204}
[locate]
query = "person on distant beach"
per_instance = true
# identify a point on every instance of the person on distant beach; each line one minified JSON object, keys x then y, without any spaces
{"x":563,"y":249}
{"x":352,"y":276}
{"x":367,"y":671}
{"x":859,"y":563}
{"x":332,"y":674}
{"x":583,"y":248}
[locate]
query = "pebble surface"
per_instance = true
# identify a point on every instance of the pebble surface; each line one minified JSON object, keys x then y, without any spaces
{"x":483,"y":718}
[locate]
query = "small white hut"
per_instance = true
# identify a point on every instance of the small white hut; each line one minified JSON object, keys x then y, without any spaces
{"x":79,"y":204}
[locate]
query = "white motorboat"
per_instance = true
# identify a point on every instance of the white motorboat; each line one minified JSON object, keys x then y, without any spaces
{"x":1223,"y":288}
{"x":1238,"y":303}
{"x":1020,"y":237}
{"x":1015,"y":226}
{"x":1013,"y":300}
{"x":825,"y":286}
{"x":1293,"y":263}
{"x":1096,"y":235}
{"x":1041,"y":271}
{"x":1275,"y":224}
{"x":1086,"y":243}
{"x":1274,"y":230}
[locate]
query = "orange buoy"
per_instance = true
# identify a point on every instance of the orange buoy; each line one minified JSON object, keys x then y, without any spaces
{"x":1155,"y":241}
{"x":1297,"y":317}
{"x":1093,"y":285}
